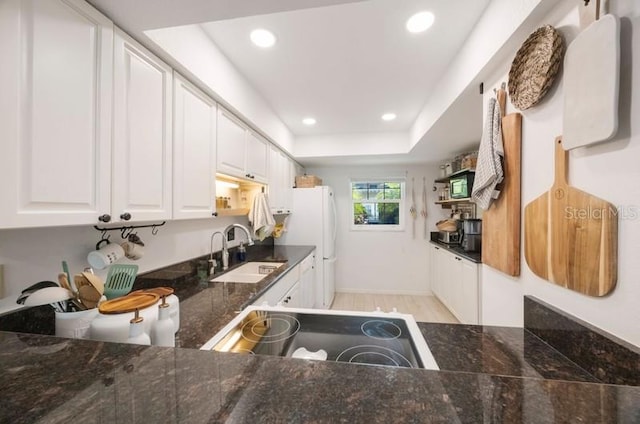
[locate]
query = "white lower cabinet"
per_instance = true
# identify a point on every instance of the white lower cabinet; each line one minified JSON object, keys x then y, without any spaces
{"x":308,"y":281}
{"x":455,"y":281}
{"x":293,"y":298}
{"x":295,"y":289}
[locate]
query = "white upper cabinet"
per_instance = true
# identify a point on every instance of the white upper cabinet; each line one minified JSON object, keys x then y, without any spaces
{"x":241,"y":153}
{"x":257,"y":155}
{"x":55,"y":113}
{"x":232,"y":148}
{"x":142,"y":151}
{"x":276,"y":180}
{"x":194,"y":150}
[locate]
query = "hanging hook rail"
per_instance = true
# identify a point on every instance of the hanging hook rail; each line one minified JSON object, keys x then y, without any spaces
{"x":128,"y":229}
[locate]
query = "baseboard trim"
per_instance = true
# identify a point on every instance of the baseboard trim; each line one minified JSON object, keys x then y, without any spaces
{"x":398,"y":292}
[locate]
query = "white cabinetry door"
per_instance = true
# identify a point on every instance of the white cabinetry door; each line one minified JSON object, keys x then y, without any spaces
{"x":55,"y":113}
{"x":434,"y":271}
{"x":289,"y":181}
{"x":469,"y":292}
{"x":308,"y":282}
{"x":455,"y":281}
{"x":276,"y":193}
{"x":194,"y":147}
{"x":231,"y":144}
{"x":292,"y":298}
{"x":257,"y":157}
{"x":142,"y":150}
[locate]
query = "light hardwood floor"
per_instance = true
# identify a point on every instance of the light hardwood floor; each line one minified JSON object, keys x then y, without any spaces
{"x":423,"y":308}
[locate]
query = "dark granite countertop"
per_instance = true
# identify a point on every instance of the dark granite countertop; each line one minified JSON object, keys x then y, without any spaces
{"x":205,"y":307}
{"x":55,"y":380}
{"x":488,"y":374}
{"x":458,"y":250}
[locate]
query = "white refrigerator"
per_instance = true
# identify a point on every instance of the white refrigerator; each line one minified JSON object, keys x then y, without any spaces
{"x":313,"y":222}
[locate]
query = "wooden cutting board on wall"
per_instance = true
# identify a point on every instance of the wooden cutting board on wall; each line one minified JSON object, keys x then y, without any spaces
{"x":501,"y":222}
{"x":571,"y":237}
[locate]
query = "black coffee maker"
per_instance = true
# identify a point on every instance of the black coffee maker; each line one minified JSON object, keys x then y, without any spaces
{"x":472,"y":235}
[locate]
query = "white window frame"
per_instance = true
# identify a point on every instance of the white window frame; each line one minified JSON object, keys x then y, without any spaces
{"x":402,"y":204}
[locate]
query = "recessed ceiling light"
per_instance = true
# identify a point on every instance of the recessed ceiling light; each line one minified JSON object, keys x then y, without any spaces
{"x":388,"y":116}
{"x":420,"y":22}
{"x":262,"y":38}
{"x":309,"y":121}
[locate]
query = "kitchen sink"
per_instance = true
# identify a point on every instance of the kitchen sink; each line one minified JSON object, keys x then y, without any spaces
{"x":250,"y":273}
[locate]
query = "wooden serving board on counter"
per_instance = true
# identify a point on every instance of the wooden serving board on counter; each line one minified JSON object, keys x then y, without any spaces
{"x":128,"y":303}
{"x":571,"y":237}
{"x":501,"y":222}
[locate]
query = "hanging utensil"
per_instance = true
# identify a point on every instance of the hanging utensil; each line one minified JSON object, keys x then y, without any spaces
{"x":412,"y":210}
{"x":423,"y":211}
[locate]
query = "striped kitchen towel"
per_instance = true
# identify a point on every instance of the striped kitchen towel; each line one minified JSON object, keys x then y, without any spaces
{"x":489,"y":171}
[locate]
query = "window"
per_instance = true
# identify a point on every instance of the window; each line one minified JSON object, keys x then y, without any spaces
{"x":377,"y":204}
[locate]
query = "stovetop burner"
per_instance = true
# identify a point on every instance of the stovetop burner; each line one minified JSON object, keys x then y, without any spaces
{"x":373,"y":355}
{"x":381,"y":329}
{"x":374,"y":339}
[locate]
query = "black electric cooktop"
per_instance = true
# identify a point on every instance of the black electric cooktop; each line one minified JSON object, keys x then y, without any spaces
{"x":372,"y":340}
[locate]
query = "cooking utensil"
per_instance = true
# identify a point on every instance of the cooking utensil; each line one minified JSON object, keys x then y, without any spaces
{"x":571,"y":237}
{"x":33,"y":288}
{"x":501,"y":222}
{"x":89,"y":296}
{"x":423,"y":210}
{"x":412,"y":209}
{"x":120,"y":280}
{"x":65,"y":269}
{"x":128,"y":303}
{"x":63,"y":281}
{"x":95,"y":281}
{"x":591,"y":84}
{"x":48,"y":295}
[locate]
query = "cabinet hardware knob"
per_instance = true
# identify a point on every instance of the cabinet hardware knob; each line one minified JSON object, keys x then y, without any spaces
{"x":104,"y":218}
{"x":126,"y":216}
{"x":214,"y":214}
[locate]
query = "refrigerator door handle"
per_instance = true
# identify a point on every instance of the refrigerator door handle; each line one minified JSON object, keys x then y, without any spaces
{"x":335,"y":220}
{"x":330,"y":260}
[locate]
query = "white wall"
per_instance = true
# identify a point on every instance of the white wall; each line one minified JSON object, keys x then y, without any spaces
{"x":191,"y":49}
{"x":609,"y":171}
{"x":35,"y":254}
{"x":497,"y":25}
{"x":381,"y":261}
{"x":352,"y":144}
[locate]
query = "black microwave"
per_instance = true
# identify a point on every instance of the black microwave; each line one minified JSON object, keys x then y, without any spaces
{"x":460,"y":187}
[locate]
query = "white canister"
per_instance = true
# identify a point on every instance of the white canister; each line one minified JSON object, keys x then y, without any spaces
{"x":115,"y":328}
{"x":75,"y":325}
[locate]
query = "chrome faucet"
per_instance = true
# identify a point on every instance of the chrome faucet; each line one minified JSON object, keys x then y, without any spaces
{"x":243,"y":228}
{"x":225,"y":242}
{"x":212,"y":262}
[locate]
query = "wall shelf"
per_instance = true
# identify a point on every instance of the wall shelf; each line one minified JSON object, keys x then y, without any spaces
{"x":453,"y":201}
{"x":455,"y":174}
{"x":233,"y":212}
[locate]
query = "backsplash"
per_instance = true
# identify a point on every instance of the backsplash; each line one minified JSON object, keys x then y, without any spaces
{"x":603,"y":355}
{"x":30,"y":255}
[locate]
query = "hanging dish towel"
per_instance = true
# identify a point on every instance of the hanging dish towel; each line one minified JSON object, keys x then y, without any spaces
{"x":489,"y":171}
{"x":260,"y":217}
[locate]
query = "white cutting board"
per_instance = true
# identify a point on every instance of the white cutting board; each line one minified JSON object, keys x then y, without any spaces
{"x":591,"y":84}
